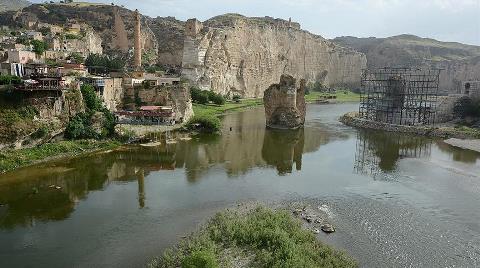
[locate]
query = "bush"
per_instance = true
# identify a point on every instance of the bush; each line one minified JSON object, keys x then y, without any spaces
{"x":200,"y":259}
{"x":204,"y":123}
{"x":10,"y":80}
{"x":236,"y":98}
{"x":217,"y":99}
{"x":92,"y":102}
{"x":198,"y":95}
{"x":39,"y":47}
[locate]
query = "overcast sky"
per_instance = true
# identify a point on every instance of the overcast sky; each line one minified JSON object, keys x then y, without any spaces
{"x":445,"y":20}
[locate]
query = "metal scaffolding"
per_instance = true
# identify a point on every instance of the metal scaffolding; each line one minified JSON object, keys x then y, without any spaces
{"x":400,"y":96}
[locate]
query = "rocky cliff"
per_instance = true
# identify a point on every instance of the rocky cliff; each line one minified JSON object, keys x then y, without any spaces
{"x":459,"y":62}
{"x":9,"y":5}
{"x":233,"y":54}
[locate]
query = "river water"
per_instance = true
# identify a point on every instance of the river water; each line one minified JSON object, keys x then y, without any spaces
{"x":396,"y":200}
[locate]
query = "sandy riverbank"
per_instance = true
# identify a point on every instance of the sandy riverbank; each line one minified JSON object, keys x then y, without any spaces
{"x":473,"y":145}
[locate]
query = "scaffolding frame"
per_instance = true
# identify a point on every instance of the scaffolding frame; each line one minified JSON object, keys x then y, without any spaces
{"x":399,"y":96}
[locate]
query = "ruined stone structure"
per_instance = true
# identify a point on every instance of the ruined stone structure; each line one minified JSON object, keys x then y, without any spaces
{"x":235,"y":55}
{"x":471,"y":88}
{"x":285,"y":103}
{"x":399,"y":96}
{"x":120,"y":39}
{"x":137,"y":42}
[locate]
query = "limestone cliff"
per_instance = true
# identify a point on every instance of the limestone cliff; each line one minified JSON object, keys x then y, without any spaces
{"x":233,"y":54}
{"x":459,"y":62}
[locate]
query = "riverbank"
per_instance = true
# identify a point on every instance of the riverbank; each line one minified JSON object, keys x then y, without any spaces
{"x":14,"y":159}
{"x":253,"y":236}
{"x":473,"y":145}
{"x":445,"y":132}
{"x":341,"y":96}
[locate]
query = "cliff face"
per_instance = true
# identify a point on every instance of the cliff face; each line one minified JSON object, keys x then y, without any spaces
{"x":459,"y":62}
{"x":9,"y":5}
{"x":244,"y":56}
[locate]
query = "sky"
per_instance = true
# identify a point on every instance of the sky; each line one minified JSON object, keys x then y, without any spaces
{"x":445,"y":20}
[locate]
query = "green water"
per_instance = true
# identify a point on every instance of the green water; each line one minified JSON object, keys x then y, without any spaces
{"x":396,"y":200}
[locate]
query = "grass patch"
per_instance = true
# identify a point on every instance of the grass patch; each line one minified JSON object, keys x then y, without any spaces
{"x":10,"y":160}
{"x":270,"y":238}
{"x":341,"y":96}
{"x":217,"y":110}
{"x":204,"y":123}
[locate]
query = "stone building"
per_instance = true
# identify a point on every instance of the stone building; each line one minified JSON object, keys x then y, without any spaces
{"x":18,"y":56}
{"x":471,"y":88}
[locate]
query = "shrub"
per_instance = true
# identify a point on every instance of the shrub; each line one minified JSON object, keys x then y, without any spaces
{"x":10,"y":80}
{"x":200,"y":259}
{"x":198,"y":95}
{"x":236,"y":98}
{"x":217,"y":99}
{"x":272,"y":238}
{"x":39,"y":47}
{"x":204,"y":123}
{"x":92,"y":102}
{"x":40,"y":133}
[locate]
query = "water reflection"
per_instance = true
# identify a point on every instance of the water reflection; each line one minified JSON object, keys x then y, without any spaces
{"x":459,"y":155}
{"x":28,"y":199}
{"x":283,"y":148}
{"x":378,"y":152}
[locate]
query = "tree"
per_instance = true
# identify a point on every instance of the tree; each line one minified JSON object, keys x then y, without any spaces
{"x":39,"y":47}
{"x":92,"y":102}
{"x":76,"y":57}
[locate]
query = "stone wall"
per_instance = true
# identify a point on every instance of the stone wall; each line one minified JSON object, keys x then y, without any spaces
{"x":244,"y":56}
{"x":113,"y":93}
{"x":176,"y":96}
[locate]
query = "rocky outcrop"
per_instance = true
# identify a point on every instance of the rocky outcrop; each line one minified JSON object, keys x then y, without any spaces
{"x":176,"y":96}
{"x":235,"y":55}
{"x":285,"y":104}
{"x":458,"y":62}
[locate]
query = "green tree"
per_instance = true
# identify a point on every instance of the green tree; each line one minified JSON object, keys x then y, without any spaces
{"x":92,"y":102}
{"x":39,"y":47}
{"x":77,"y":57}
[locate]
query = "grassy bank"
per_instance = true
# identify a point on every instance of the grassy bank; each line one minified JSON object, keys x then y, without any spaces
{"x":13,"y":159}
{"x":216,"y":110}
{"x":340,"y":96}
{"x":259,"y":237}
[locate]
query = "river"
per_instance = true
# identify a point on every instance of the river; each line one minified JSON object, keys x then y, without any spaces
{"x":395,"y":200}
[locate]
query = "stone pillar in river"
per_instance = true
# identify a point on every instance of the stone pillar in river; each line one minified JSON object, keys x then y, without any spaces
{"x":285,"y":103}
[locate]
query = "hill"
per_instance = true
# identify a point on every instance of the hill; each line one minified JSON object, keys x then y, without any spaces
{"x":459,"y":62}
{"x":13,"y":5}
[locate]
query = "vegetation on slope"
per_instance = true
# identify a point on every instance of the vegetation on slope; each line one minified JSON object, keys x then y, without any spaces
{"x":13,"y":159}
{"x":259,"y":237}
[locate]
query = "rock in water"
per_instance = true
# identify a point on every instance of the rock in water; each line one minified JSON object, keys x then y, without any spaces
{"x":285,"y":103}
{"x":328,"y":228}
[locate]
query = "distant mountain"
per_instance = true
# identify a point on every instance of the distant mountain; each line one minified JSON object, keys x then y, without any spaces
{"x":13,"y":5}
{"x":459,"y":62}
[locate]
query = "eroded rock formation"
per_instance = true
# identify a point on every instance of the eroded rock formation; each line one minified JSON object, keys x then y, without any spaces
{"x":285,"y":103}
{"x":236,"y":55}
